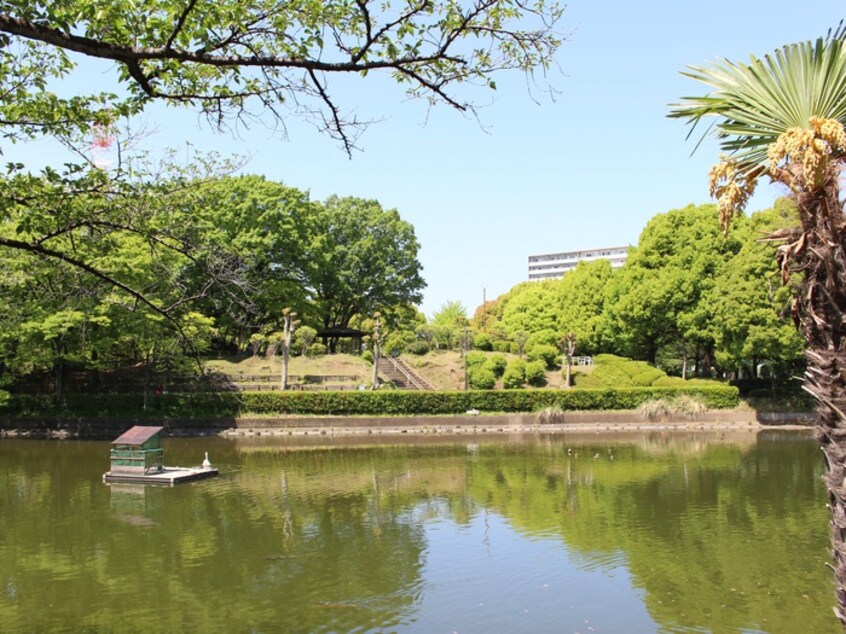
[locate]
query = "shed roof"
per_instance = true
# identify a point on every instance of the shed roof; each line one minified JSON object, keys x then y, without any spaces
{"x":338,"y":331}
{"x":137,"y":435}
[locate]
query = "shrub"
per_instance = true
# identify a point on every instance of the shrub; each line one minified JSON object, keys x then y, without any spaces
{"x":417,"y":347}
{"x":497,"y":363}
{"x":475,"y":357}
{"x":552,"y":415}
{"x":316,"y":350}
{"x":662,"y":408}
{"x":545,"y":353}
{"x":687,"y":404}
{"x":480,"y":377}
{"x":669,"y":381}
{"x":225,"y":405}
{"x":483,"y":341}
{"x":535,"y":373}
{"x":514,"y":376}
{"x":611,"y":376}
{"x":367,"y":355}
{"x":655,"y":409}
{"x":501,"y":346}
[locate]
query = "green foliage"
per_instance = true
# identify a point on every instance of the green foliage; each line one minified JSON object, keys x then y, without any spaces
{"x":317,"y":350}
{"x":367,"y":355}
{"x":303,"y":338}
{"x":202,"y":65}
{"x":625,"y":371}
{"x":449,"y":324}
{"x":362,"y":258}
{"x":5,"y":398}
{"x":497,"y":363}
{"x":417,"y":347}
{"x":611,"y":371}
{"x":750,"y":304}
{"x":536,"y":373}
{"x":661,"y":297}
{"x":480,"y":377}
{"x":581,"y":299}
{"x":389,"y":402}
{"x":545,"y":353}
{"x":514,"y":376}
{"x":529,"y":308}
{"x":483,"y":341}
{"x":547,"y":337}
{"x":502,"y":346}
{"x":475,"y":358}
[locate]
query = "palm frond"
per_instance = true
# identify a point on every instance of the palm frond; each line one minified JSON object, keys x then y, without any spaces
{"x":754,"y":103}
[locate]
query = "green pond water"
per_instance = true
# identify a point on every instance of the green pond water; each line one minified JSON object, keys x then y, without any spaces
{"x":663,"y":532}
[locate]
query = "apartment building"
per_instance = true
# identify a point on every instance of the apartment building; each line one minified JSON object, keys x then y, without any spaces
{"x":550,"y":265}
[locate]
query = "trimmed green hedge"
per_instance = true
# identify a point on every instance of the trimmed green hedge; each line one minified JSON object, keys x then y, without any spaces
{"x":388,"y":402}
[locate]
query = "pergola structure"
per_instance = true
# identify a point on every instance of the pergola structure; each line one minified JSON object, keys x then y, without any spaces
{"x":333,"y":334}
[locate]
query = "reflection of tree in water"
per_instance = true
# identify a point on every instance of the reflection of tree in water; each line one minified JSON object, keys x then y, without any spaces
{"x":250,"y":552}
{"x":720,"y":538}
{"x":320,"y":540}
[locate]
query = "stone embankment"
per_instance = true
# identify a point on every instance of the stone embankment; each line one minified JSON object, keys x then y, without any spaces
{"x":429,"y":425}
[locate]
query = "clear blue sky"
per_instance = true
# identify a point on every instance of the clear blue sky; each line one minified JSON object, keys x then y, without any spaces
{"x":588,"y":169}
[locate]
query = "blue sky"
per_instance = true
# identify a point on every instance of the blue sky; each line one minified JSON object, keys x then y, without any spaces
{"x":584,"y":170}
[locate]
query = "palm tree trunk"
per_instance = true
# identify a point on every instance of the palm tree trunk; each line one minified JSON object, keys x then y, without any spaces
{"x":819,"y":254}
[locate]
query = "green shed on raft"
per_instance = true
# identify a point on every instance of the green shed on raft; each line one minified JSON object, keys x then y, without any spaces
{"x":137,"y":452}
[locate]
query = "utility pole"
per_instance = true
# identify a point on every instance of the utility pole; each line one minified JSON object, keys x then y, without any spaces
{"x":464,"y":356}
{"x":484,"y":309}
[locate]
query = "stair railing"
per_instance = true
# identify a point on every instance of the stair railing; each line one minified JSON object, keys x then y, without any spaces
{"x":399,"y":367}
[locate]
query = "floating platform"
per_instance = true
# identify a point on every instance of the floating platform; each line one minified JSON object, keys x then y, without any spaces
{"x":168,"y":476}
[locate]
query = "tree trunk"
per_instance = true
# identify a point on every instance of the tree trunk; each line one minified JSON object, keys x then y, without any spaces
{"x":59,"y":374}
{"x":819,"y":253}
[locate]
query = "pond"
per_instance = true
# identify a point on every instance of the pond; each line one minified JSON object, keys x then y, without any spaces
{"x":660,"y":532}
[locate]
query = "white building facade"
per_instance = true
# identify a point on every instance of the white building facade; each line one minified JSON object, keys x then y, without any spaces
{"x":552,"y":265}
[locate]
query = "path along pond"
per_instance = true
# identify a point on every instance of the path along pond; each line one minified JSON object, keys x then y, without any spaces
{"x":660,"y":532}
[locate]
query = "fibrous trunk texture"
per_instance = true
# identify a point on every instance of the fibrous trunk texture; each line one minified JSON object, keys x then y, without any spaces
{"x":818,"y":252}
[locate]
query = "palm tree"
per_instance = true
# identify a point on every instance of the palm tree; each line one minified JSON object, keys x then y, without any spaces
{"x":782,"y":117}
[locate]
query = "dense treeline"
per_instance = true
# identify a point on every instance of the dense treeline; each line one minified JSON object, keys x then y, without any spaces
{"x":189,"y":263}
{"x":220,"y":258}
{"x":689,"y":299}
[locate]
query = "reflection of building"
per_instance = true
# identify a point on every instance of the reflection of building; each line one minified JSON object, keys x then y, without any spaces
{"x":550,"y":265}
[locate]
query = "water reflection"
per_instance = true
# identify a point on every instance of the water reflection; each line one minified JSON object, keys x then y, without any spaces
{"x":636,"y":533}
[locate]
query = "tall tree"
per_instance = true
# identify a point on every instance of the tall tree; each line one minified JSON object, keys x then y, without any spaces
{"x":449,"y":323}
{"x":659,"y":296}
{"x":783,"y":116}
{"x":581,"y":298}
{"x":360,"y":258}
{"x":265,"y":227}
{"x":234,"y":62}
{"x":750,"y":306}
{"x":530,"y":307}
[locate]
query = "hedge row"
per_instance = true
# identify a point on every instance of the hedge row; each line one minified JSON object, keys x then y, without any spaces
{"x":388,"y":402}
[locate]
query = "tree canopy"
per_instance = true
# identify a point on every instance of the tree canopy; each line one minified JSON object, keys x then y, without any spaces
{"x":234,"y":60}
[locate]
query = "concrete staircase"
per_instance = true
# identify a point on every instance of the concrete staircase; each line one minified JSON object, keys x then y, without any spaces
{"x":402,"y":375}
